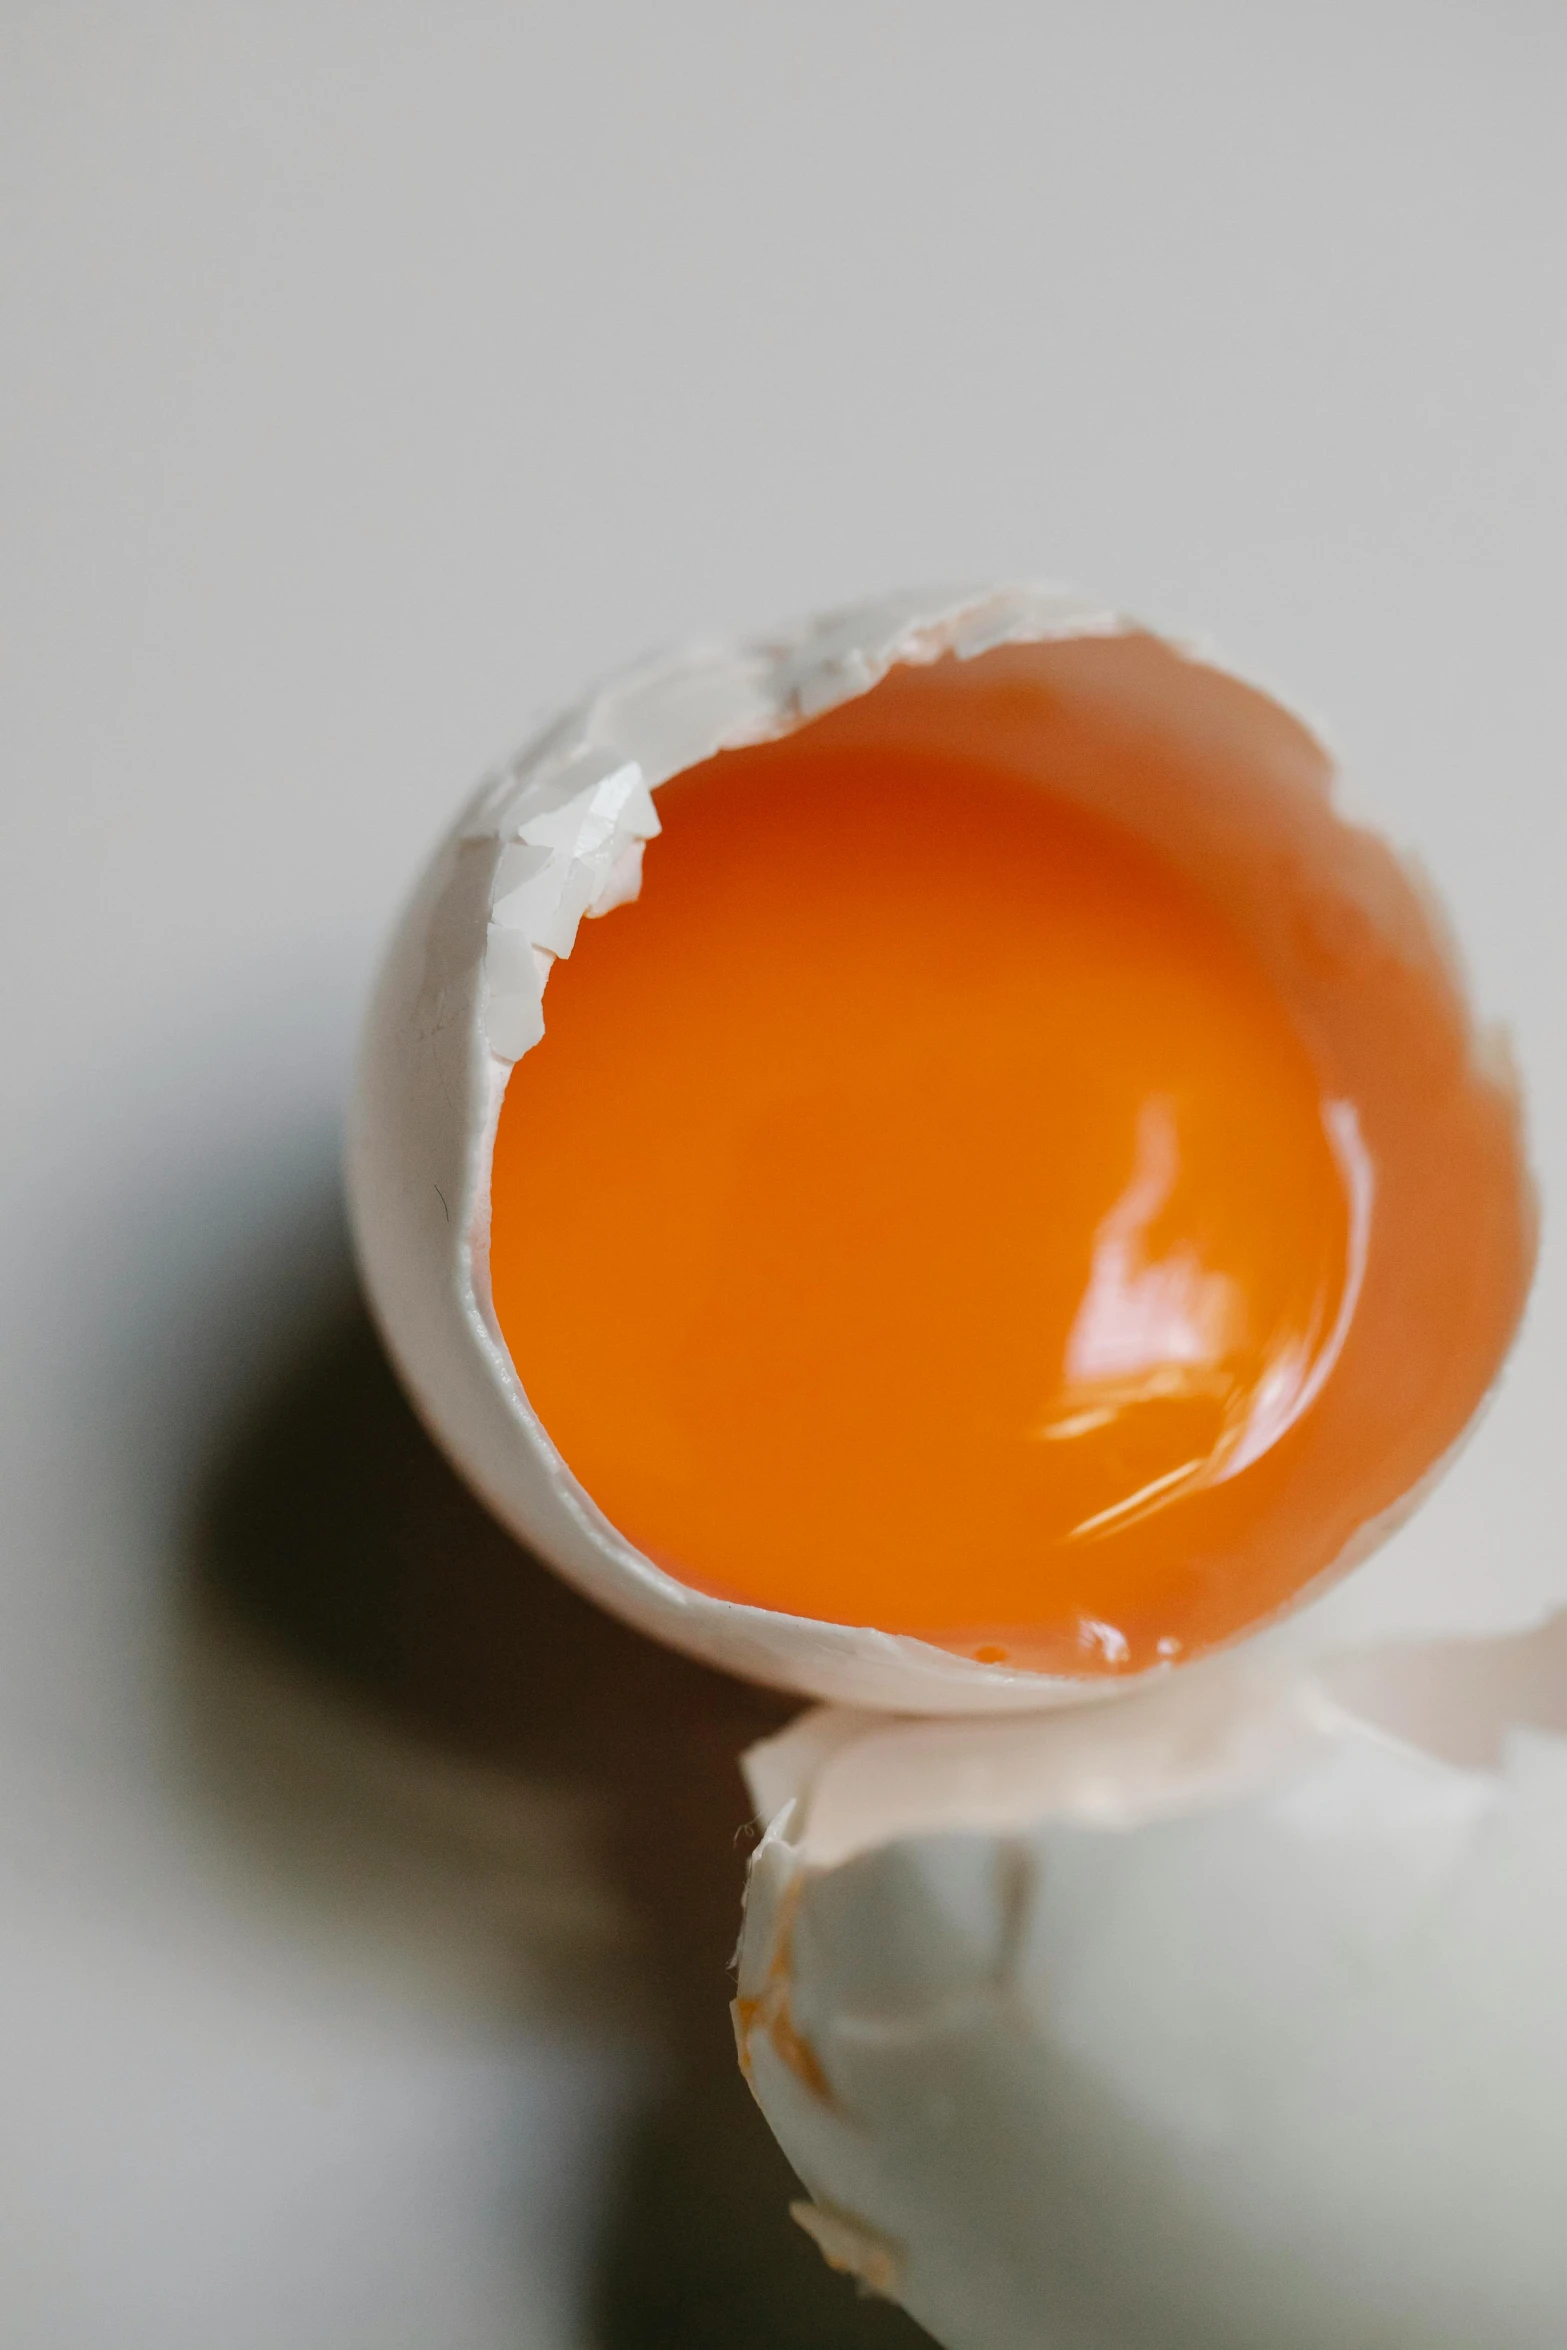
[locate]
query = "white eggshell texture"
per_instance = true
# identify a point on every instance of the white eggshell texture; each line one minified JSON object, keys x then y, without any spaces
{"x":558,"y":836}
{"x":1227,"y":2016}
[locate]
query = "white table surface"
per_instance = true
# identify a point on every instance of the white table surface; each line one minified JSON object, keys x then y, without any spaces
{"x":373,"y":377}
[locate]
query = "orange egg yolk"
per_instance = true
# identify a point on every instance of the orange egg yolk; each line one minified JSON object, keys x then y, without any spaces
{"x":920,"y":1213}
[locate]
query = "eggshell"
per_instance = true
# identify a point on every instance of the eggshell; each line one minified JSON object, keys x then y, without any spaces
{"x":557,"y":837}
{"x":1228,"y":2015}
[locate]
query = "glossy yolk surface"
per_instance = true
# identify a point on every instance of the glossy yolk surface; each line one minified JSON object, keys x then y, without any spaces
{"x":919,"y":1213}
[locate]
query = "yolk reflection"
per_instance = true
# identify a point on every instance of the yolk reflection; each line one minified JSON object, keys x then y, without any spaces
{"x":920,"y":1213}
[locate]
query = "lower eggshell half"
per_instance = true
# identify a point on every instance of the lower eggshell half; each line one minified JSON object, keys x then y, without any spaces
{"x":1229,"y":2016}
{"x":1221,"y":780}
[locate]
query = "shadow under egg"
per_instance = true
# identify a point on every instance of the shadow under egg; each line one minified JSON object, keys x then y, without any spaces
{"x":331,"y":1531}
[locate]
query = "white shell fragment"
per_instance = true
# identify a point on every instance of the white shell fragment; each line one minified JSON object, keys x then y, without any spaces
{"x":1231,"y":2014}
{"x":573,"y":846}
{"x":558,"y":836}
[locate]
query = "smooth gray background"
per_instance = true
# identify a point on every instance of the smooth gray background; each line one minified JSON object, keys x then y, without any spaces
{"x":374,"y":375}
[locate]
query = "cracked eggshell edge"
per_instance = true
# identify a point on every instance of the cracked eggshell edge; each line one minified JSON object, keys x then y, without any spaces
{"x":932,"y":1922}
{"x":552,"y":837}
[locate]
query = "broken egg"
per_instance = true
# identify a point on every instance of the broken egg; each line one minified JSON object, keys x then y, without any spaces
{"x":1009,"y":1200}
{"x":1224,"y":2015}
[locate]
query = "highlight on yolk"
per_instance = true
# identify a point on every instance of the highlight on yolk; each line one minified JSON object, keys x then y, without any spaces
{"x":921,"y":1213}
